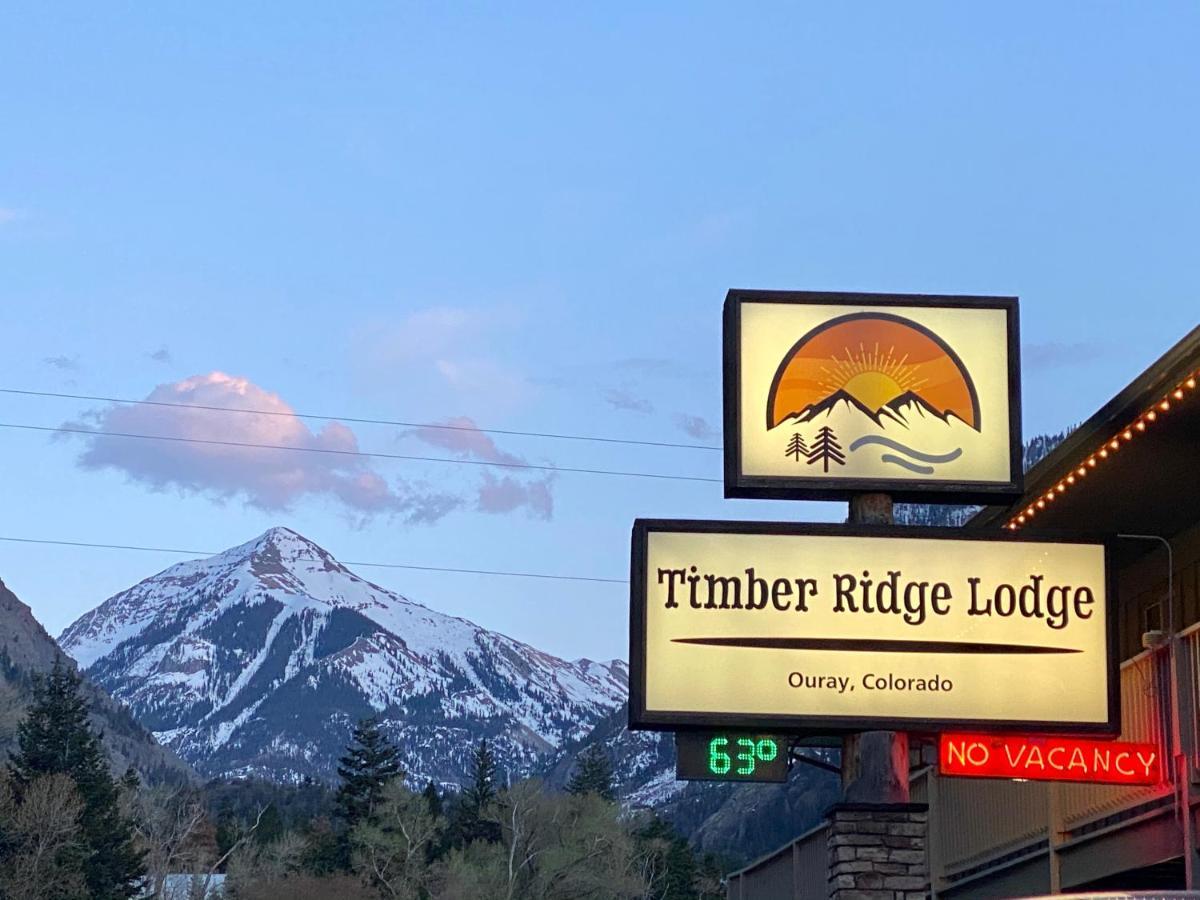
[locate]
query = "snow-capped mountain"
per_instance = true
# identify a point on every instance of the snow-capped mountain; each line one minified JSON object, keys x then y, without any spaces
{"x":259,"y":660}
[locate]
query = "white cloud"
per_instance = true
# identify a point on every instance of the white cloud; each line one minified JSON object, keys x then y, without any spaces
{"x":454,"y":347}
{"x":266,"y":478}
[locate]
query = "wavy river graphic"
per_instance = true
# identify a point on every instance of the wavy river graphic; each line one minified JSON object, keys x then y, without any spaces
{"x":915,"y":457}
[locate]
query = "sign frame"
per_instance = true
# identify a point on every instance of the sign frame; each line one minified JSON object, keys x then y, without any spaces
{"x":642,"y":719}
{"x":738,"y":484}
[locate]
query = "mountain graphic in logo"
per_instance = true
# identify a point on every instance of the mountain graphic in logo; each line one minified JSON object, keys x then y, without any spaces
{"x":890,"y":369}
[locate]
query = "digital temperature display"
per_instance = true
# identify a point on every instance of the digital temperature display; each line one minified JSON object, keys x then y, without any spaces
{"x":730,"y":756}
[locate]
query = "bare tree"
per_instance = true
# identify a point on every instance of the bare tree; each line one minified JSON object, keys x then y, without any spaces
{"x":392,"y":848}
{"x":523,"y":828}
{"x":266,"y":865}
{"x":242,"y":840}
{"x":45,"y":861}
{"x":167,"y":823}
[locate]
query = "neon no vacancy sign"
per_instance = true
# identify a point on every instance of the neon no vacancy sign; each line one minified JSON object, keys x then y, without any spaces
{"x":1047,"y":758}
{"x":830,"y":394}
{"x":786,"y":626}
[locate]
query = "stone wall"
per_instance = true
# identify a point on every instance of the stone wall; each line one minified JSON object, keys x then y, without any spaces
{"x":878,"y":851}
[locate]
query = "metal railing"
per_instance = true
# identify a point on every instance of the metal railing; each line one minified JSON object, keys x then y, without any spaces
{"x":1145,"y":717}
{"x":1189,"y":649}
{"x":979,"y":822}
{"x":983,"y":820}
{"x":798,"y":869}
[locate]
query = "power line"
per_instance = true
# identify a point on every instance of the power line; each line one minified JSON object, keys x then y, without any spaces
{"x":355,"y":453}
{"x":375,"y":565}
{"x":362,"y":421}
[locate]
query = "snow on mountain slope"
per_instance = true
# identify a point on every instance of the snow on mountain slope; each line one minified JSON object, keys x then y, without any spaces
{"x":258,"y":660}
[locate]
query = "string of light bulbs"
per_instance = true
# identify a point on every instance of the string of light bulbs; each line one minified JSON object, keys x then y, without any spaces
{"x":1142,"y":423}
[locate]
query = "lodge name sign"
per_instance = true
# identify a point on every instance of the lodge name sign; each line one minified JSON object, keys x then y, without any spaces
{"x":910,"y":600}
{"x":779,"y":626}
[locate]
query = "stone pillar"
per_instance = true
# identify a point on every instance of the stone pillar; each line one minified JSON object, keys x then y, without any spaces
{"x":877,"y":851}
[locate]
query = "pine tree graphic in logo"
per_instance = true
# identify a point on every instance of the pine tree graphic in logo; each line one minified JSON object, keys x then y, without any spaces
{"x":826,"y":448}
{"x":796,"y":447}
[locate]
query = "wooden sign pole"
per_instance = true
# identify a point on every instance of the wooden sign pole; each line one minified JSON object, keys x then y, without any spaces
{"x":877,"y":839}
{"x":874,"y":763}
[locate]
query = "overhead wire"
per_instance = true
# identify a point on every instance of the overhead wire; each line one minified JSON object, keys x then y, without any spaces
{"x":63,"y":429}
{"x":376,"y":565}
{"x":352,"y":453}
{"x":441,"y":426}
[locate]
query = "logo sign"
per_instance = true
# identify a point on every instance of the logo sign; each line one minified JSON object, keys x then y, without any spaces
{"x":791,"y":627}
{"x":827,"y":395}
{"x":1047,"y":758}
{"x":730,"y":756}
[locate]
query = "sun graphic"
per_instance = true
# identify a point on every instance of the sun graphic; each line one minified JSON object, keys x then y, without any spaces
{"x":872,"y":377}
{"x":876,"y":359}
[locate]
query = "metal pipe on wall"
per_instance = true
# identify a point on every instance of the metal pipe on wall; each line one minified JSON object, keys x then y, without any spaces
{"x":1179,"y":769}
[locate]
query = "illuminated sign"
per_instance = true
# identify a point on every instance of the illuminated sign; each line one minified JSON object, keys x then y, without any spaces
{"x":789,"y":627}
{"x":827,"y":395}
{"x":730,"y":756}
{"x":1047,"y":758}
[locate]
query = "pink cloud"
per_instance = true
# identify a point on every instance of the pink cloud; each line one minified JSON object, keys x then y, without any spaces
{"x":462,"y":437}
{"x":266,"y":478}
{"x":507,"y":494}
{"x":496,"y":493}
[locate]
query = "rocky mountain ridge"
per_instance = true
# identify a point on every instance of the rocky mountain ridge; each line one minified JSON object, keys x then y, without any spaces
{"x":27,"y":650}
{"x":257,"y":661}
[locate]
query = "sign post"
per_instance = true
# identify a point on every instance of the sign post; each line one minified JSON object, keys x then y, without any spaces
{"x":867,"y":631}
{"x":874,"y":763}
{"x":871,"y":398}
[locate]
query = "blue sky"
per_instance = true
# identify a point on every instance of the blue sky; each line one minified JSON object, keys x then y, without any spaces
{"x":528,"y":217}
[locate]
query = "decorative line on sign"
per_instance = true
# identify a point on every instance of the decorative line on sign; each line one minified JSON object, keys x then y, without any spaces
{"x":868,"y":645}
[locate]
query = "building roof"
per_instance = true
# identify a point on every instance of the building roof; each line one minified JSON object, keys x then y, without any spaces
{"x":1133,"y":467}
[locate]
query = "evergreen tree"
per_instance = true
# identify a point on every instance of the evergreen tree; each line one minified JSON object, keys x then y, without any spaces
{"x":483,"y":777}
{"x":270,"y":827}
{"x":593,"y":774}
{"x":796,"y":447}
{"x":826,"y":448}
{"x":469,"y":822}
{"x":56,"y":739}
{"x":433,"y":799}
{"x":370,"y":763}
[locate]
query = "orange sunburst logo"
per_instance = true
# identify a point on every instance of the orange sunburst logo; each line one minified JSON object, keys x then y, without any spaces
{"x":877,"y":362}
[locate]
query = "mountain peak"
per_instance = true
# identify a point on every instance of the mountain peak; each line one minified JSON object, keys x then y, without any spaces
{"x":281,"y":551}
{"x":281,"y":537}
{"x":259,"y":659}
